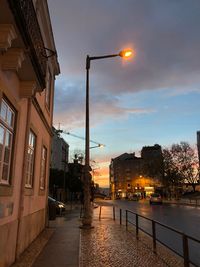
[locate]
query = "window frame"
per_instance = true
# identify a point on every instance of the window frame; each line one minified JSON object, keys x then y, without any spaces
{"x":30,"y":162}
{"x":8,"y":128}
{"x":43,"y":169}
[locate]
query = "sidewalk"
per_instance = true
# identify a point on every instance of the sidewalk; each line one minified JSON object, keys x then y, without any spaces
{"x":107,"y":244}
{"x":62,"y":250}
{"x":184,"y":202}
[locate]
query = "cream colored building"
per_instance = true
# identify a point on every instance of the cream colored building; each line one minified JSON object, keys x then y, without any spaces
{"x":130,"y":175}
{"x":28,"y":66}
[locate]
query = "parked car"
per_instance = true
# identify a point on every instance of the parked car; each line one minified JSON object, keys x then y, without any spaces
{"x":134,"y":197}
{"x":57,"y":205}
{"x":155,"y":199}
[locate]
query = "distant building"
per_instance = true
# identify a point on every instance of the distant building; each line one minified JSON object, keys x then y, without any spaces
{"x":131,"y":175}
{"x":76,"y":168}
{"x":59,"y":167}
{"x":75,"y":180}
{"x":59,"y":152}
{"x":28,"y":66}
{"x":152,"y":161}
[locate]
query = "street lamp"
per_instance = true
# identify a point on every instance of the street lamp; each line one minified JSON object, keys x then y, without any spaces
{"x":99,"y":145}
{"x":87,"y":210}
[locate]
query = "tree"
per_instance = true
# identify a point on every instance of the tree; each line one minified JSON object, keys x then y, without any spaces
{"x":170,"y":170}
{"x":181,"y":164}
{"x":74,"y":177}
{"x":56,"y":178}
{"x":74,"y":183}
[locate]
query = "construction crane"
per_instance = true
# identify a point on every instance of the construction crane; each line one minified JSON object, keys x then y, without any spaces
{"x":80,"y":137}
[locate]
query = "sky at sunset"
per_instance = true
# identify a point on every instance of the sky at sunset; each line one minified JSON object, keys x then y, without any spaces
{"x":151,"y":98}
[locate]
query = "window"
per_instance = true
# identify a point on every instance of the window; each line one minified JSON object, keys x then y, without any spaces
{"x":48,"y":90}
{"x":7,"y":118}
{"x":43,"y":168}
{"x":30,"y":160}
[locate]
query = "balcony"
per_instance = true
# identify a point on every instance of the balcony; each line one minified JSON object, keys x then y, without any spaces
{"x":27,"y":24}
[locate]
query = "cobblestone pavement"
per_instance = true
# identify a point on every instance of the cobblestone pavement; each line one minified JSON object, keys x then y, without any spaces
{"x":28,"y":257}
{"x":109,"y":244}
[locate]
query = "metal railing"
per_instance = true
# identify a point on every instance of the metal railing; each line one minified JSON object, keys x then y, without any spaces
{"x":113,"y":208}
{"x":194,"y":201}
{"x":154,"y":234}
{"x":27,"y":22}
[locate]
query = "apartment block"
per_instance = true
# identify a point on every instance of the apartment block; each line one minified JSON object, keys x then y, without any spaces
{"x":130,"y":175}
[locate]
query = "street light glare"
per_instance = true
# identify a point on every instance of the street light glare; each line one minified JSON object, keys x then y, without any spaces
{"x":126,"y":53}
{"x":101,"y":145}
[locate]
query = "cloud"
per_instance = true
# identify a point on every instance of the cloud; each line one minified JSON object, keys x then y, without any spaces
{"x":70,"y":106}
{"x":171,"y":92}
{"x":164,"y":34}
{"x":166,"y":39}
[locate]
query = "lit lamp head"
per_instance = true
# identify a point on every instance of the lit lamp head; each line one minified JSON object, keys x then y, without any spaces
{"x":101,"y":145}
{"x":127,"y":53}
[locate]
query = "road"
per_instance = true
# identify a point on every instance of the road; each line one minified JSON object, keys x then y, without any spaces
{"x":183,"y":218}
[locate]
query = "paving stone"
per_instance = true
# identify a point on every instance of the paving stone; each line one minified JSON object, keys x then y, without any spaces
{"x":28,"y":257}
{"x":109,"y":244}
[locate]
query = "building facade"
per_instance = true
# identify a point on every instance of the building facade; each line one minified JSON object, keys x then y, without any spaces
{"x":59,"y":167}
{"x":152,"y":161}
{"x":28,"y":66}
{"x":130,"y":175}
{"x":59,"y":152}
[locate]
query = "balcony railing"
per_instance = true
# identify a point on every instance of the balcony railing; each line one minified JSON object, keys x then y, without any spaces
{"x":26,"y":20}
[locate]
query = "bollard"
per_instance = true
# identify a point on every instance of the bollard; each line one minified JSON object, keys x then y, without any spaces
{"x":126,"y":219}
{"x":114,"y":213}
{"x":120,"y":216}
{"x":185,"y":251}
{"x":137,"y":226}
{"x":100,"y":213}
{"x":154,"y":235}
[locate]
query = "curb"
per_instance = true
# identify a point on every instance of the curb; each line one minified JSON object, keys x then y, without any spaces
{"x":182,"y":204}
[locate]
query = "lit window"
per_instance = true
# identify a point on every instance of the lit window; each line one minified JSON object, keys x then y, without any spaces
{"x":7,"y":117}
{"x":43,"y":168}
{"x":30,"y":160}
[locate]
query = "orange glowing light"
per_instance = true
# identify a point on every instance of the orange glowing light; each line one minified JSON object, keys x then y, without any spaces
{"x":126,"y":53}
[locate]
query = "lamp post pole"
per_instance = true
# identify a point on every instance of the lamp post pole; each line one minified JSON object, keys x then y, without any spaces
{"x":87,"y":120}
{"x":87,"y":208}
